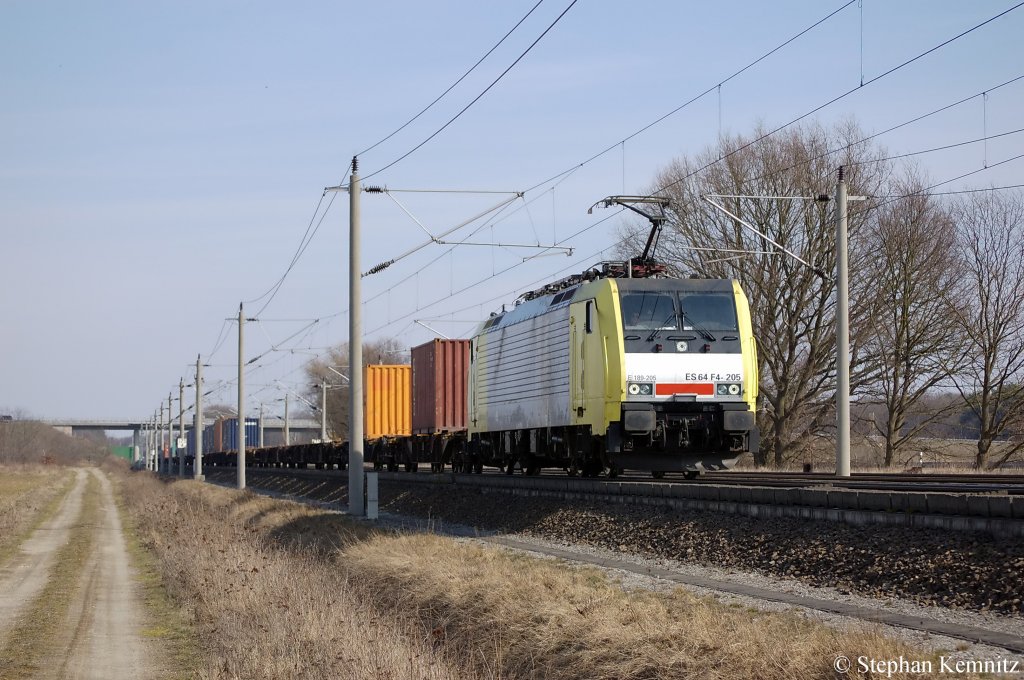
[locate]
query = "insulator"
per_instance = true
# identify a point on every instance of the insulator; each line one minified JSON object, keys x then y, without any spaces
{"x":380,"y":267}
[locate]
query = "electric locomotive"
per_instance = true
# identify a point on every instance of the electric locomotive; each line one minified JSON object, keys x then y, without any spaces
{"x":618,"y":368}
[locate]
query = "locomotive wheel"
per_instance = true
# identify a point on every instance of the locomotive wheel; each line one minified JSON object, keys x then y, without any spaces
{"x":614,"y":471}
{"x":378,"y":466}
{"x":392,"y":467}
{"x":658,"y":474}
{"x":691,"y":474}
{"x":478,"y":468}
{"x":510,"y":468}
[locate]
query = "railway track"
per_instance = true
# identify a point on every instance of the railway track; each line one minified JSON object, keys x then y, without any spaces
{"x":1010,"y":484}
{"x":950,"y":502}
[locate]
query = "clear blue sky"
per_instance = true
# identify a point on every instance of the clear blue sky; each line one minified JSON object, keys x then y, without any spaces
{"x":160,"y":161}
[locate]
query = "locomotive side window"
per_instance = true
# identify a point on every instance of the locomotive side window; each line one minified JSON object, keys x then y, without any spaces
{"x":708,"y":310}
{"x":648,"y":310}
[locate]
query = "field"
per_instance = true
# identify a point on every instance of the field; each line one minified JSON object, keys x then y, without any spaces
{"x":216,"y":583}
{"x":279,"y":589}
{"x":867,"y":454}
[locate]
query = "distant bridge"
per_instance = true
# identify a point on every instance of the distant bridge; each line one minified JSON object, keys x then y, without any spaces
{"x":301,"y":430}
{"x":269,"y":423}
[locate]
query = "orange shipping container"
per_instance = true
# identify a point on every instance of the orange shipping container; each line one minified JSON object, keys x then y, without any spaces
{"x":388,"y":402}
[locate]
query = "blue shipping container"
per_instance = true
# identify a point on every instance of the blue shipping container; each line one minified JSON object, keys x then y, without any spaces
{"x":208,"y":446}
{"x":190,"y":443}
{"x":252,"y":433}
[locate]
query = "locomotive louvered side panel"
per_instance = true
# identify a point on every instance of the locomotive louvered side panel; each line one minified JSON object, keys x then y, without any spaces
{"x":521,"y":373}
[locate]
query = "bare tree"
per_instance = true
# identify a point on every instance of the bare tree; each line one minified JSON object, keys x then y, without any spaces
{"x":333,"y":370}
{"x":792,"y":304}
{"x":990,"y":310}
{"x":914,"y":268}
{"x":220,"y":411}
{"x":23,"y":440}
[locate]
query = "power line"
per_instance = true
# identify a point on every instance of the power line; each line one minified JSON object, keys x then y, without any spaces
{"x":937,"y":148}
{"x":963,"y":191}
{"x":453,"y":85}
{"x":564,"y":173}
{"x":695,"y":98}
{"x":307,"y":239}
{"x":575,"y":235}
{"x":925,"y":190}
{"x":747,"y":145}
{"x":475,"y":99}
{"x":838,"y":98}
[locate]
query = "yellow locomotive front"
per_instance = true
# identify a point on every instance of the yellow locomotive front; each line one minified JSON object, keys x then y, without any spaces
{"x":690,"y":372}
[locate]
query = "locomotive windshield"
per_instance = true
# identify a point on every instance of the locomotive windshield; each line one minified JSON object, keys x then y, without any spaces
{"x":648,"y":310}
{"x":667,"y":310}
{"x":715,"y":312}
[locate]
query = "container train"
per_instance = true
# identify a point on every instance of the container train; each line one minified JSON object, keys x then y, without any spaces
{"x":620,"y":367}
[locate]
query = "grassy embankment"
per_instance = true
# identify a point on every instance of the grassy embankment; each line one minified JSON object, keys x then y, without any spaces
{"x":166,"y":622}
{"x":283,"y":590}
{"x":29,"y":495}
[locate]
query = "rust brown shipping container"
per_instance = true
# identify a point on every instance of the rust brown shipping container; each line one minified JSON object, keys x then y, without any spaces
{"x":218,"y":435}
{"x":387,"y":401}
{"x":440,"y":370}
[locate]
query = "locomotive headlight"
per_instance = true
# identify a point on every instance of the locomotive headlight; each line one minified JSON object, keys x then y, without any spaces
{"x":731,"y":389}
{"x":643,"y":389}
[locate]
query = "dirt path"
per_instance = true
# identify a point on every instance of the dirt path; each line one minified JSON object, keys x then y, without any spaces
{"x":24,"y":577}
{"x":101,"y":636}
{"x":96,"y":632}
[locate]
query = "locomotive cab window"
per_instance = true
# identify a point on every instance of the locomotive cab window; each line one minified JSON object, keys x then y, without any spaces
{"x":716,"y":312}
{"x":648,"y":310}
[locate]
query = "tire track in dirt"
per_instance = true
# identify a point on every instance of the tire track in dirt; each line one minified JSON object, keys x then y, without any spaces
{"x":23,"y":578}
{"x":101,"y":637}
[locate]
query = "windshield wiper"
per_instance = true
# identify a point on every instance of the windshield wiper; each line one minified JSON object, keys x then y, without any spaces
{"x":700,"y":329}
{"x":657,"y":329}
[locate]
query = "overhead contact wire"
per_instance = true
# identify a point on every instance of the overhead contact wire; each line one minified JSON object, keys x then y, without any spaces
{"x":453,"y":85}
{"x":475,"y":99}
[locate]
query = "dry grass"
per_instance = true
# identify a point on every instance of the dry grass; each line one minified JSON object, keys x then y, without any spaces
{"x":164,"y":620}
{"x":262,"y":610}
{"x":273,"y":600}
{"x":538,"y":619}
{"x":30,"y":638}
{"x":29,"y":495}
